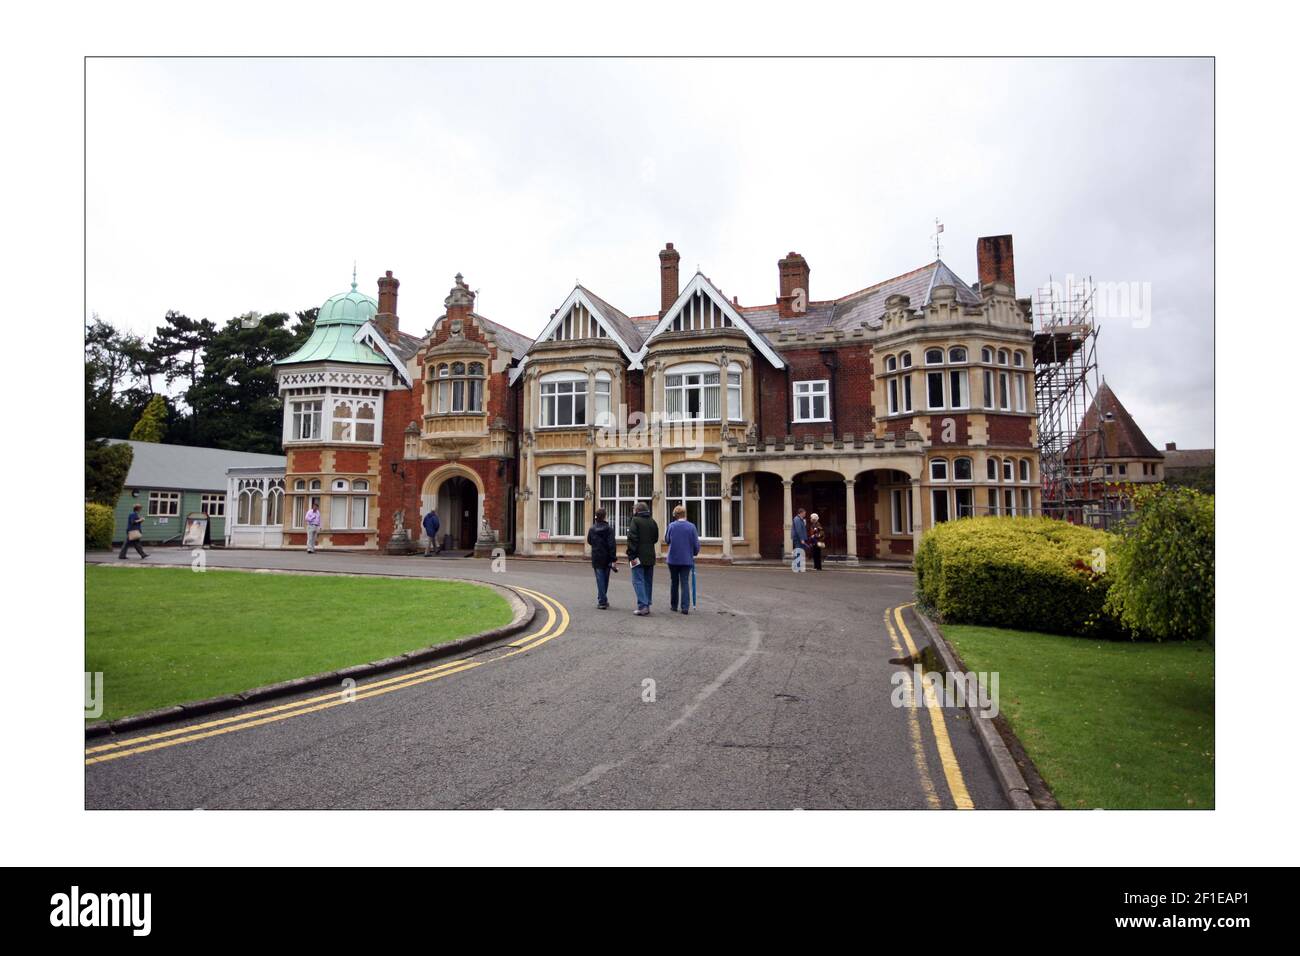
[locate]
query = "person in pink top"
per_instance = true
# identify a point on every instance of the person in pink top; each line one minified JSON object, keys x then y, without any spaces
{"x":313,"y":525}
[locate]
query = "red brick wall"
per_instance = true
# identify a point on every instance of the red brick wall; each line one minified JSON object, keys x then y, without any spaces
{"x":351,"y":460}
{"x":303,"y":461}
{"x":960,"y":431}
{"x":1009,"y":430}
{"x":852,"y":409}
{"x":341,"y":539}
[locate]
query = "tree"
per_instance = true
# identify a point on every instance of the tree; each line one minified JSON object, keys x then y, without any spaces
{"x":153,"y":421}
{"x":237,"y":389}
{"x":106,"y":470}
{"x":115,"y":397}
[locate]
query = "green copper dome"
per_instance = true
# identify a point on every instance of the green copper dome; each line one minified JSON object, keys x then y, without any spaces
{"x":333,"y":337}
{"x":347,"y":308}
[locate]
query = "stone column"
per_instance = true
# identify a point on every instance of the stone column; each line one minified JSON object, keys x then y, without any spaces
{"x":851,"y":519}
{"x":726,"y":517}
{"x":917,"y":525}
{"x":787,"y":516}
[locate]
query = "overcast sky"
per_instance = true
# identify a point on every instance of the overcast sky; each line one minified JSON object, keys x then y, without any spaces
{"x":216,"y":187}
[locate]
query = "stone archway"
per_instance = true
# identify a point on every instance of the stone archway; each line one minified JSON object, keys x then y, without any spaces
{"x":458,"y":494}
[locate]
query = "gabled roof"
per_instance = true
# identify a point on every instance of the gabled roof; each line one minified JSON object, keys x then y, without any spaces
{"x":187,"y":468}
{"x":616,"y":323}
{"x":700,"y":283}
{"x":368,"y":334}
{"x":1108,"y":431}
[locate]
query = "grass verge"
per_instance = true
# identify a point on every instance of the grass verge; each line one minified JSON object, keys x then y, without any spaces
{"x":162,"y":636}
{"x":1108,"y":724}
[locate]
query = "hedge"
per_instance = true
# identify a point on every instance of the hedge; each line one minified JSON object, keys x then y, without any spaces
{"x":1034,"y":574}
{"x":1162,"y":567}
{"x":99,"y":527}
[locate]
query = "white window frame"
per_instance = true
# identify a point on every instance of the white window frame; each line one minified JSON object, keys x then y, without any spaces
{"x":552,"y":389}
{"x":694,"y":381}
{"x":302,"y":412}
{"x":158,"y":499}
{"x":346,"y":428}
{"x":738,"y":508}
{"x":970,"y":469}
{"x":810,"y":391}
{"x":900,"y":511}
{"x":616,"y":504}
{"x":932,"y":375}
{"x":936,"y":495}
{"x":213,"y":505}
{"x":943,"y":463}
{"x":551,"y":481}
{"x":678,"y":490}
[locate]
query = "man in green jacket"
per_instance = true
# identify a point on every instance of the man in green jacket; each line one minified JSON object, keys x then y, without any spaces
{"x":642,"y":534}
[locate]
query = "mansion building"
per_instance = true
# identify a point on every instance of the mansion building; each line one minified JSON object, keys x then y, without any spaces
{"x":885,"y":411}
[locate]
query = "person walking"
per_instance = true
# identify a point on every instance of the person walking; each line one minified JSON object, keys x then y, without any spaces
{"x":642,"y":534}
{"x":313,"y":525}
{"x":600,"y":536}
{"x":799,"y":539}
{"x":431,"y":525}
{"x":816,"y":540}
{"x":683,"y":542}
{"x":134,"y":532}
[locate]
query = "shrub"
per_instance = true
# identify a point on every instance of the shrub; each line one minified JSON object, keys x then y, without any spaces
{"x":1163,"y":566}
{"x":106,"y":469}
{"x":1035,"y":574}
{"x":99,"y":526}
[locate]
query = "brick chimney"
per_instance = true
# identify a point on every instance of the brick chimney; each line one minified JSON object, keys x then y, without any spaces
{"x":459,"y":302}
{"x":386,"y":319}
{"x":996,"y":261}
{"x":1171,"y":446}
{"x":793,"y":300}
{"x":668,"y":279}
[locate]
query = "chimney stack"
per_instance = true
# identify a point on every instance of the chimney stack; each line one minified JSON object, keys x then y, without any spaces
{"x":793,"y":299}
{"x":386,"y":319}
{"x":996,"y":261}
{"x":668,"y":278}
{"x":1171,"y":446}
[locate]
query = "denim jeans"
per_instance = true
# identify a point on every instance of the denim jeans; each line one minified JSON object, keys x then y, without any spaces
{"x":643,"y":579}
{"x":680,"y":574}
{"x":602,"y":585}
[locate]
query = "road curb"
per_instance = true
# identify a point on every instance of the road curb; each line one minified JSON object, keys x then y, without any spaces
{"x":525,"y":610}
{"x":1004,"y":765}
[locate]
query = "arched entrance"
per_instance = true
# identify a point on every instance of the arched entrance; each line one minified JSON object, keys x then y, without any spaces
{"x":455,"y":491}
{"x":823,"y":493}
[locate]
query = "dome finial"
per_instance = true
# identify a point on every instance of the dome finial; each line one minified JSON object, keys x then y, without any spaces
{"x":354,"y":275}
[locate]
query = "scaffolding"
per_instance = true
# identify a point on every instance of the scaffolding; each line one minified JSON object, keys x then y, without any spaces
{"x":1065,"y":384}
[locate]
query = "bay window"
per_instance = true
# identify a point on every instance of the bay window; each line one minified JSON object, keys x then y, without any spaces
{"x":353,"y":420}
{"x":621,"y":487}
{"x":306,"y":423}
{"x":698,"y":488}
{"x":457,"y":388}
{"x":563,"y":400}
{"x":562,"y":491}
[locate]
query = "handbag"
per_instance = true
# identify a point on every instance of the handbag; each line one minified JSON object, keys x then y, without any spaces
{"x":133,"y":536}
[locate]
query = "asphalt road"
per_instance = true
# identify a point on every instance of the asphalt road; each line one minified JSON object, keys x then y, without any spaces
{"x":775,"y":693}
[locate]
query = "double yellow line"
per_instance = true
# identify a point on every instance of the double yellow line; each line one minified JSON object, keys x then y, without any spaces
{"x":947,"y":758}
{"x":557,"y":622}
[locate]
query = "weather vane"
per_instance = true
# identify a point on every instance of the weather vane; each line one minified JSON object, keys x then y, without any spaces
{"x":938,"y":231}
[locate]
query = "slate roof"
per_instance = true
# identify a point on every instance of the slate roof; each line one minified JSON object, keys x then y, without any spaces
{"x":626,"y":328}
{"x":1180,"y":458}
{"x":1118,"y":436}
{"x":186,"y":468}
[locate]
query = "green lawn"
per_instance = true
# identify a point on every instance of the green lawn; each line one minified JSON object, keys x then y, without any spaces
{"x":1108,"y":724}
{"x":162,"y":636}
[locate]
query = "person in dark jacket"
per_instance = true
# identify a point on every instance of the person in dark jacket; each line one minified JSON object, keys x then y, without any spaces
{"x":134,"y":531}
{"x":683,"y":545}
{"x":642,"y":534}
{"x":603,"y":556}
{"x":431,"y":525}
{"x":816,"y":540}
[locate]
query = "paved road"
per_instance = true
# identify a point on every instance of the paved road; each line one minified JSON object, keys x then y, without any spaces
{"x":776,"y":693}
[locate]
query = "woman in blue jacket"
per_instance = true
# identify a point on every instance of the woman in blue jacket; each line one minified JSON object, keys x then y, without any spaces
{"x":683,"y":545}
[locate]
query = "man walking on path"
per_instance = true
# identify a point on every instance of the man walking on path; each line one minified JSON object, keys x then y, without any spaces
{"x":313,"y":525}
{"x":642,"y":533}
{"x":683,"y":545}
{"x":799,"y":538}
{"x":431,"y":525}
{"x":601,"y":538}
{"x":134,"y":532}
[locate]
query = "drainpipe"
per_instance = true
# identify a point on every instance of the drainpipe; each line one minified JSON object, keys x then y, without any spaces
{"x":831,"y":359}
